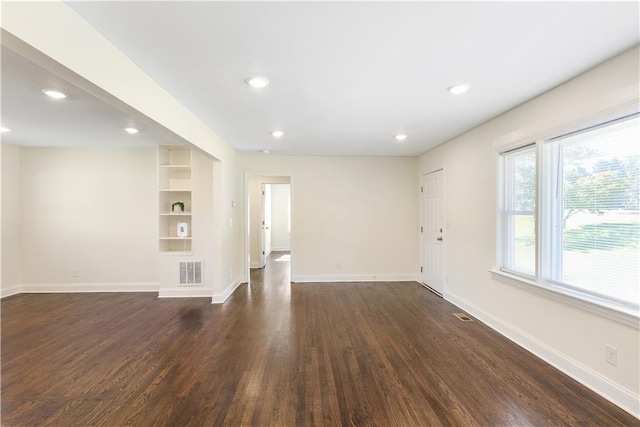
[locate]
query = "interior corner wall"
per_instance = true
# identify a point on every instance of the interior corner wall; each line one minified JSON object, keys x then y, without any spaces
{"x":11,"y":221}
{"x":280,"y":237}
{"x":570,"y":338}
{"x":352,"y":218}
{"x":91,"y":210}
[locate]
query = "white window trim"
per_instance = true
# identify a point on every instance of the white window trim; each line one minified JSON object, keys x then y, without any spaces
{"x":601,"y":307}
{"x":503,"y":215}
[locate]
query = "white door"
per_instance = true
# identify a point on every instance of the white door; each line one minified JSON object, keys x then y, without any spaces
{"x":266,"y":222}
{"x":432,"y":231}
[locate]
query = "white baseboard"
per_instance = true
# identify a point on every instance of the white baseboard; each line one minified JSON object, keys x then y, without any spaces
{"x":303,"y":278}
{"x":606,"y":388}
{"x":255,"y":265}
{"x":224,"y":295}
{"x":280,"y":249}
{"x":9,"y":290}
{"x":185,"y":292}
{"x":56,"y":288}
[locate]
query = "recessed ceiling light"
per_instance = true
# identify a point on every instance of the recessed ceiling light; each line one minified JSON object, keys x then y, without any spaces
{"x":257,"y":82}
{"x":131,"y":130}
{"x":3,"y":129}
{"x":459,"y":88}
{"x":401,"y":137}
{"x":265,"y":151}
{"x":277,"y":133}
{"x":54,"y":94}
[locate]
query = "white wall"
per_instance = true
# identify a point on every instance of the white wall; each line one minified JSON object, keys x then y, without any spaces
{"x":11,"y":221}
{"x":568,"y":337}
{"x":94,"y":210}
{"x":352,"y":218}
{"x":280,"y":237}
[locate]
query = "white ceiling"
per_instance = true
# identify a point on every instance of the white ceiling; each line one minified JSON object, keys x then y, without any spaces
{"x":80,"y":120}
{"x":348,"y":76}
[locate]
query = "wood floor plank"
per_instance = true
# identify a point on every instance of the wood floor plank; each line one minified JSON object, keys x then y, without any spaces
{"x":276,"y":354}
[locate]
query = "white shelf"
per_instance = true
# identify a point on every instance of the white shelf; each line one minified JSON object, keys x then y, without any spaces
{"x":175,"y":253}
{"x":174,"y":155}
{"x":174,"y":185}
{"x":168,"y":246}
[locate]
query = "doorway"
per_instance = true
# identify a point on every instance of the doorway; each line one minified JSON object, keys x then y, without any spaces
{"x":268,"y":221}
{"x":432,"y":231}
{"x":276,"y":220}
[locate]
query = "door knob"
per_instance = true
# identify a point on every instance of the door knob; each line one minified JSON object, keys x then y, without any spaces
{"x":439,"y":239}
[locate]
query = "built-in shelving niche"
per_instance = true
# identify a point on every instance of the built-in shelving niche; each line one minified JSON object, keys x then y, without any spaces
{"x":174,"y":185}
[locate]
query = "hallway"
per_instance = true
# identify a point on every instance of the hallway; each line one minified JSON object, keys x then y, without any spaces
{"x":275,"y":276}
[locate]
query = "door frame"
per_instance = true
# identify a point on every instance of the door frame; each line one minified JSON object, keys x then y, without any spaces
{"x":266,"y":225}
{"x":247,"y":218}
{"x":444,"y":233}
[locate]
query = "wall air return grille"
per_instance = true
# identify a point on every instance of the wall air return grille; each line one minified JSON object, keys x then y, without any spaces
{"x":190,"y":273}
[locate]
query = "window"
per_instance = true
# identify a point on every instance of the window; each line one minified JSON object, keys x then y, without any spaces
{"x":518,"y":213}
{"x":583,"y":236}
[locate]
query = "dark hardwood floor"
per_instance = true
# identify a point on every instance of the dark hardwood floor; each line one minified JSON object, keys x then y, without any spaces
{"x":365,"y":354}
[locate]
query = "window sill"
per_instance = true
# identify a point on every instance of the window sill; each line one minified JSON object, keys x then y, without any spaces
{"x":623,"y":315}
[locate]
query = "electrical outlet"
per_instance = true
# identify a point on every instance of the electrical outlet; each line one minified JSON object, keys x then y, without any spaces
{"x":611,"y":355}
{"x":74,"y":272}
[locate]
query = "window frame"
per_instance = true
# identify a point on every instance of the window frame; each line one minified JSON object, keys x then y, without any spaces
{"x":540,"y":284}
{"x":505,"y":229}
